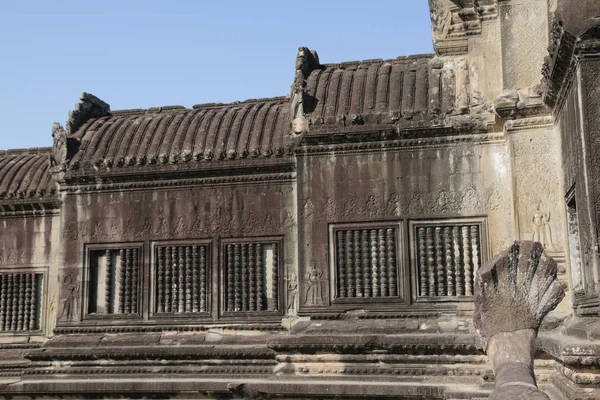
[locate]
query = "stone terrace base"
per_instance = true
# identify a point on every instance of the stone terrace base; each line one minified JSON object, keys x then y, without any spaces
{"x":410,"y":358}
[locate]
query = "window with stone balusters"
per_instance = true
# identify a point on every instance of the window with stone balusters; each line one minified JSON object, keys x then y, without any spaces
{"x":365,"y":261}
{"x":115,"y":278}
{"x":180,"y":278}
{"x":20,"y":301}
{"x":250,"y":274}
{"x":445,"y":256}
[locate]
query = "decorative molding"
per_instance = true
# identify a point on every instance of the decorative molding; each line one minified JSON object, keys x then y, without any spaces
{"x":412,"y":144}
{"x":524,"y":124}
{"x":179,"y":183}
{"x":168,"y":327}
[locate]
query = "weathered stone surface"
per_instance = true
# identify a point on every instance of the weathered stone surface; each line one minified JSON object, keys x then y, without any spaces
{"x":322,"y":244}
{"x":514,"y":292}
{"x":88,"y":107}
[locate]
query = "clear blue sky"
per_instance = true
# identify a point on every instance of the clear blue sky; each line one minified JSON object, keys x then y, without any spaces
{"x":139,"y":54}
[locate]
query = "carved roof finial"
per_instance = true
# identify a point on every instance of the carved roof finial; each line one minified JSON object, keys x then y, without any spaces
{"x":306,"y":62}
{"x":88,"y":107}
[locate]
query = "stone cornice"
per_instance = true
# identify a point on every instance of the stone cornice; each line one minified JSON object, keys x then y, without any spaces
{"x":409,"y":144}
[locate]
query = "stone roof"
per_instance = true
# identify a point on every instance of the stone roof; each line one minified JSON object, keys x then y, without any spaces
{"x":25,"y":174}
{"x":375,"y":91}
{"x":170,"y":135}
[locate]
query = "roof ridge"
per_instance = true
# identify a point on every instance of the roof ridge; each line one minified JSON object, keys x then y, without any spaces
{"x":26,"y":151}
{"x":346,"y":64}
{"x":140,"y":111}
{"x":235,"y":103}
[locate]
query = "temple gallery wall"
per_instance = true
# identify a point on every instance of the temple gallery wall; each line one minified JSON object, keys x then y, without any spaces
{"x":325,"y":244}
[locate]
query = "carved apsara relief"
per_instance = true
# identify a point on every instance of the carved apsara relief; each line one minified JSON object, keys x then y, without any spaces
{"x":70,"y":298}
{"x":537,"y":192}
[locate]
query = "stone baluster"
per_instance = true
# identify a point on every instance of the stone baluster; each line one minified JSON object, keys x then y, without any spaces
{"x":15,"y":303}
{"x":341,"y":265}
{"x":122,"y":282}
{"x":391,"y":262}
{"x":430,"y":261}
{"x":467,"y":261}
{"x":33,"y":313}
{"x":203,"y":278}
{"x":27,"y":308}
{"x":21,"y":301}
{"x":175,"y":280}
{"x":160,"y":279}
{"x":135,"y":280}
{"x":350,"y":263}
{"x":374,"y":264}
{"x":108,"y":289}
{"x":439,"y":262}
{"x":424,"y":287}
{"x":275,"y":276}
{"x":458,"y":267}
{"x":181,"y":279}
{"x":168,"y":276}
{"x":230,"y":278}
{"x":244,"y":261}
{"x":195,"y":284}
{"x":188,"y":279}
{"x":252,"y":276}
{"x":259,"y":278}
{"x":3,"y":290}
{"x":238,"y":278}
{"x":450,"y":286}
{"x":129,"y":281}
{"x":474,"y":252}
{"x":383,"y":270}
{"x":365,"y":250}
{"x":9,"y":302}
{"x":357,"y":265}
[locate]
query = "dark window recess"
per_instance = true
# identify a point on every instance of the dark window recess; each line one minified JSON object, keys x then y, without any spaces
{"x":20,"y":302}
{"x":447,"y":258}
{"x":114,"y":281}
{"x":251,"y":277}
{"x":366,"y":263}
{"x":181,"y":274}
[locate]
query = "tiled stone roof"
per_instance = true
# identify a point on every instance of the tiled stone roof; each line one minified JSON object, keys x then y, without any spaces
{"x":25,"y":174}
{"x":170,"y":135}
{"x":376,"y":91}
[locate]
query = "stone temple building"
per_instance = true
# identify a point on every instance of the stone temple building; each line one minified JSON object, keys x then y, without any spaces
{"x":321,"y":244}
